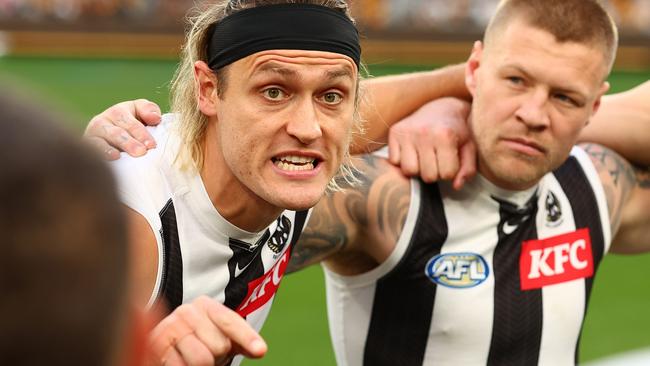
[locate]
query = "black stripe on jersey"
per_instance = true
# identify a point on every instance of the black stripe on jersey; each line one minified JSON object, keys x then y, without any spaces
{"x":172,"y":272}
{"x":299,"y":224}
{"x":246,"y":264}
{"x":518,"y":315}
{"x":575,"y":184}
{"x":405,"y":297}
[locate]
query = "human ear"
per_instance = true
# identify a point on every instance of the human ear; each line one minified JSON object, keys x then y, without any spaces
{"x":206,"y":85}
{"x":471,"y":67}
{"x":603,"y":89}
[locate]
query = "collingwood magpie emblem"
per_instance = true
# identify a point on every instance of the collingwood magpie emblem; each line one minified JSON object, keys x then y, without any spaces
{"x":279,"y":239}
{"x":553,"y":210}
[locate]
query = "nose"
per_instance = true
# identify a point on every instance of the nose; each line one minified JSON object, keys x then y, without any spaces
{"x":533,"y":111}
{"x":304,"y":124}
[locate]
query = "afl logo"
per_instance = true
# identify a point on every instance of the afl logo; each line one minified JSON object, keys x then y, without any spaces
{"x":457,"y":270}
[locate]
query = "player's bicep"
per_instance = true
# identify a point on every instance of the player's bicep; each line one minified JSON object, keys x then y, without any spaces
{"x":616,"y":176}
{"x":144,"y":256}
{"x":338,"y":220}
{"x":633,"y":235}
{"x":325,"y":234}
{"x":624,"y":195}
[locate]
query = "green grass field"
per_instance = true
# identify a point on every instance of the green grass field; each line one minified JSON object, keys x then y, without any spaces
{"x":296,"y":331}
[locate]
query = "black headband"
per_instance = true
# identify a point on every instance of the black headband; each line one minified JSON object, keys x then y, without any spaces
{"x":282,"y":27}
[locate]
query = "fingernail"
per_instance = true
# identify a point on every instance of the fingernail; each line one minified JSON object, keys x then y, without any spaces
{"x":155,"y":111}
{"x":150,"y":144}
{"x":258,"y":346}
{"x":140,"y":150}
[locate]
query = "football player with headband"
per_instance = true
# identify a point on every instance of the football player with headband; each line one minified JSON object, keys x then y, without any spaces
{"x":265,"y":104}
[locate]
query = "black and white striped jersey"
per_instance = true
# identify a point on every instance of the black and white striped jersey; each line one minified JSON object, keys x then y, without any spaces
{"x":200,"y":253}
{"x":481,"y":276}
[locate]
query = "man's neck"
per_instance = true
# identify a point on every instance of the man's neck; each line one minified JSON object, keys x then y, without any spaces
{"x":232,"y":199}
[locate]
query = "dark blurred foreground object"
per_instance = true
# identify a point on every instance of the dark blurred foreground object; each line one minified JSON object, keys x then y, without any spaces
{"x":63,"y":262}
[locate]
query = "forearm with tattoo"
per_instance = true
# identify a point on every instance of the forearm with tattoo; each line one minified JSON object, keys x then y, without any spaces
{"x":342,"y":217}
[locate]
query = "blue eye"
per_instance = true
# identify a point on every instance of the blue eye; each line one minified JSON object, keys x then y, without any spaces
{"x":565,"y":99}
{"x":516,"y":80}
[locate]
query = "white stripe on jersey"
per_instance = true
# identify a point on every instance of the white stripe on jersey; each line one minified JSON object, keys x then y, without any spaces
{"x":455,"y":310}
{"x":350,"y":322}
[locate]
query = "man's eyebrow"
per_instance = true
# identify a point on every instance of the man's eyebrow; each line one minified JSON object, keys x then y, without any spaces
{"x":272,"y":67}
{"x":338,"y":73}
{"x":558,"y":88}
{"x":518,"y":68}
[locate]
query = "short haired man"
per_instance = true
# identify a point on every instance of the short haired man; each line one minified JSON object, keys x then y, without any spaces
{"x":63,"y":269}
{"x":500,"y":272}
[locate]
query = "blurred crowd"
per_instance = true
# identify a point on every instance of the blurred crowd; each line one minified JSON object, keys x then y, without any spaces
{"x":75,"y":10}
{"x":633,"y":16}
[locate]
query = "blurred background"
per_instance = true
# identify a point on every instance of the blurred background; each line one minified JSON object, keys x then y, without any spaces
{"x":78,"y":57}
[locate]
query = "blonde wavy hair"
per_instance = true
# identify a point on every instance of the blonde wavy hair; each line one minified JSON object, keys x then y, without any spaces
{"x":191,"y":122}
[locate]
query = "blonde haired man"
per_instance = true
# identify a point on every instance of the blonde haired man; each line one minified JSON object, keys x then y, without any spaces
{"x":266,"y":99}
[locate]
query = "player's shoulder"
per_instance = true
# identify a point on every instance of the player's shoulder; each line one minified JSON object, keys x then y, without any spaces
{"x":375,"y":166}
{"x":150,"y":163}
{"x":147,"y":178}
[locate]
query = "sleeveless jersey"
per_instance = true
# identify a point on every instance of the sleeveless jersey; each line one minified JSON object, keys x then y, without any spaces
{"x":200,"y":252}
{"x":482,"y":276}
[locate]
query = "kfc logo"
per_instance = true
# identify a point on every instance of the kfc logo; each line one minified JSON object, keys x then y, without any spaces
{"x":261,"y":290}
{"x":555,"y":260}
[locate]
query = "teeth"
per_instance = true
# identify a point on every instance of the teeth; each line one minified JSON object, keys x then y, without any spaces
{"x":294,"y":163}
{"x":293,"y":167}
{"x":296,"y":159}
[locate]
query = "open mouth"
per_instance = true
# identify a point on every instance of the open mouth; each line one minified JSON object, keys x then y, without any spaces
{"x":295,"y":163}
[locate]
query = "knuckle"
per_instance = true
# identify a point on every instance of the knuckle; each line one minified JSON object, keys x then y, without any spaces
{"x":114,"y":134}
{"x":423,"y":132}
{"x":409,"y":169}
{"x":203,"y":300}
{"x":446,"y":175}
{"x":94,"y":122}
{"x":203,"y":359}
{"x":445,"y":135}
{"x":184,"y":311}
{"x":114,"y":113}
{"x":429,"y":177}
{"x":222,"y":348}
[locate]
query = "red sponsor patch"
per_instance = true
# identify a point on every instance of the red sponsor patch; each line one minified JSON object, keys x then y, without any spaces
{"x":557,"y":259}
{"x":261,"y":290}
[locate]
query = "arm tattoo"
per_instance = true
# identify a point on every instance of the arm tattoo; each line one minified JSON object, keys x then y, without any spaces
{"x":337,"y":219}
{"x":623,"y":179}
{"x":325,"y":233}
{"x":618,"y":168}
{"x":643,"y":177}
{"x":393,"y":209}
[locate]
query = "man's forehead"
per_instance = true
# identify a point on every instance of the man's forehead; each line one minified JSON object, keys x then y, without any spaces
{"x":574,"y":66}
{"x":292,"y":62}
{"x":556,"y":80}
